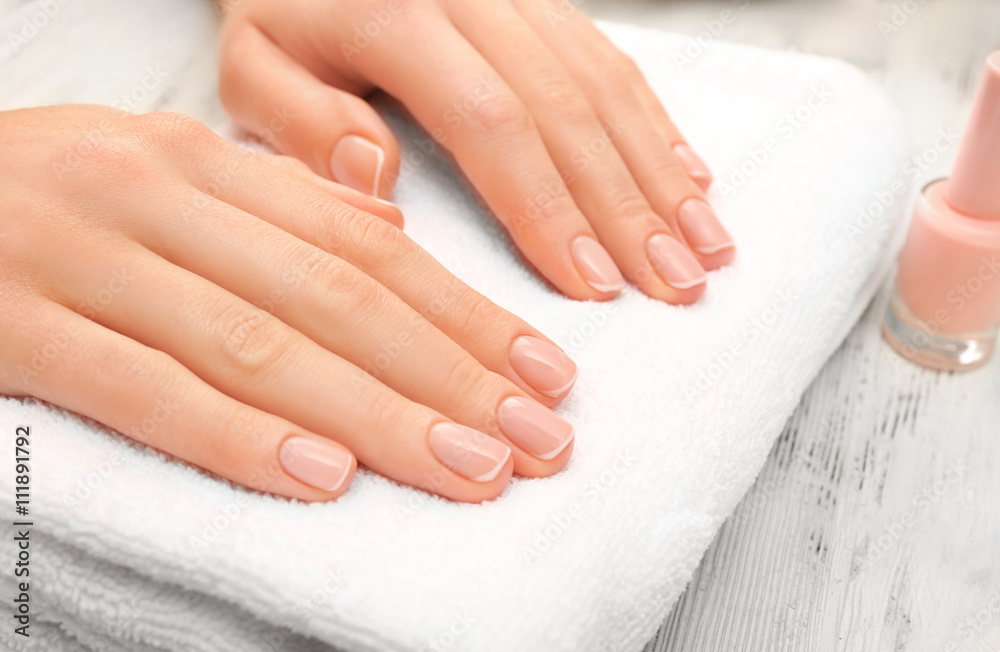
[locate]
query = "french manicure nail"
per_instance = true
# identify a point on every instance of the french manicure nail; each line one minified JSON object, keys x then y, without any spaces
{"x":702,"y":228}
{"x":542,"y":365}
{"x":533,"y":427}
{"x":694,"y":165}
{"x":315,"y":462}
{"x":595,"y":265}
{"x":467,"y":452}
{"x":357,"y":163}
{"x":674,"y":263}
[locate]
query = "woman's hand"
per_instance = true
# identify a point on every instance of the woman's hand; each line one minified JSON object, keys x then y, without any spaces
{"x":554,"y":126}
{"x":239,"y":312}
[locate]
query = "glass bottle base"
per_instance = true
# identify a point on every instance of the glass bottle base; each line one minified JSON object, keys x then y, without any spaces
{"x":915,"y":341}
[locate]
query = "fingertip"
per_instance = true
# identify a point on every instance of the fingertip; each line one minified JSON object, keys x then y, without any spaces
{"x":322,"y":469}
{"x":718,"y":259}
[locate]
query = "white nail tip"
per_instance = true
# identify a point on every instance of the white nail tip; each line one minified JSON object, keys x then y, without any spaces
{"x":491,"y":475}
{"x":557,"y":392}
{"x":561,"y":448}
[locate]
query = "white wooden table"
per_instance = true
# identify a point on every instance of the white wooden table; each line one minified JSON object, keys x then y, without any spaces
{"x":875,"y":524}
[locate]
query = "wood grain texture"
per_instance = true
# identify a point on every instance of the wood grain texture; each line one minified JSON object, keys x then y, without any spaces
{"x":875,"y":524}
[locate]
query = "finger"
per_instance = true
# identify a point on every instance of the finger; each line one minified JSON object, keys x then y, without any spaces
{"x":459,"y":98}
{"x":614,"y":85}
{"x":336,"y":133}
{"x":374,"y":205}
{"x":251,"y":356}
{"x":583,"y":150}
{"x":693,"y":164}
{"x":350,"y":314}
{"x":501,"y":341}
{"x":150,"y":397}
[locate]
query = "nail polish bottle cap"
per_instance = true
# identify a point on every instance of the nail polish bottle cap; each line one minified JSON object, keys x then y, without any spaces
{"x":974,"y":187}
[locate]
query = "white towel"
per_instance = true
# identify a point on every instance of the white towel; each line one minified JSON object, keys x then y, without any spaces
{"x":675,"y":411}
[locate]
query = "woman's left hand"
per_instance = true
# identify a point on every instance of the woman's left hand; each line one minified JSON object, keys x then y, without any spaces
{"x":553,"y":125}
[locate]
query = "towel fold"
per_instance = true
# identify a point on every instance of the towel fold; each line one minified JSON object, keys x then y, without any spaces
{"x":675,"y":411}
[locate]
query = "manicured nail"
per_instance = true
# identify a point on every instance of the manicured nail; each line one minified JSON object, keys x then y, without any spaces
{"x":357,"y":163}
{"x":674,"y":263}
{"x":695,"y":167}
{"x":543,"y":366}
{"x":534,"y":428}
{"x":467,"y":452}
{"x":595,"y":265}
{"x":315,"y":462}
{"x":702,"y":228}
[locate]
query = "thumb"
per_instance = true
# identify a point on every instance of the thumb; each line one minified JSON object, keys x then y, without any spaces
{"x":334,"y":132}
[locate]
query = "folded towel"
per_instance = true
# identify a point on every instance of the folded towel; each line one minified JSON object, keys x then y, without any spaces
{"x":675,"y":411}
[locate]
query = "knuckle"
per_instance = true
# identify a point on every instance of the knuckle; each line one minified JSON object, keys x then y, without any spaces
{"x":388,"y":414}
{"x":629,"y":205}
{"x":477,"y":317}
{"x":252,"y":340}
{"x":376,"y":244}
{"x":468,"y":382}
{"x":346,"y":291}
{"x":502,"y":114}
{"x":566,"y":100}
{"x":616,"y":75}
{"x":542,"y":213}
{"x":167,"y":131}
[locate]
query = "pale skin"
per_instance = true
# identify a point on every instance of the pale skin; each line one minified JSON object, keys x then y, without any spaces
{"x":251,"y":316}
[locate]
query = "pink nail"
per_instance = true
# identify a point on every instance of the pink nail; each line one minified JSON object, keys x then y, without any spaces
{"x":316,"y":462}
{"x":468,"y":452}
{"x":702,"y":228}
{"x":543,"y":366}
{"x":674,"y":263}
{"x":357,"y":163}
{"x":694,"y":165}
{"x":534,"y":428}
{"x":595,"y":265}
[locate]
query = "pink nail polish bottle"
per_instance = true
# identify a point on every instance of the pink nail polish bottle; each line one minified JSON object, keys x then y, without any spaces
{"x":945,"y":312}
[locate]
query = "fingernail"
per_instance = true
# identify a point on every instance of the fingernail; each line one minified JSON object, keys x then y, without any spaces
{"x":543,"y":366}
{"x":702,"y":228}
{"x":595,"y":265}
{"x":315,"y":462}
{"x":674,"y":263}
{"x":534,"y":428}
{"x":357,"y":163}
{"x":694,"y":165}
{"x":467,"y":452}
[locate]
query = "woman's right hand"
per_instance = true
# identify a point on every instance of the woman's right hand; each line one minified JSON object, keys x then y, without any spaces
{"x":236,"y":311}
